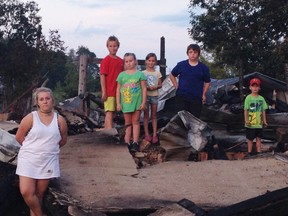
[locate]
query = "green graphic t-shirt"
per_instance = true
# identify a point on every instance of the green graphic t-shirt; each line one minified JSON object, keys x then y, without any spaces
{"x":130,"y":91}
{"x":255,"y":107}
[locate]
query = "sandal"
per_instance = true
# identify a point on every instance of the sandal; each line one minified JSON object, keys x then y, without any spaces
{"x":155,"y":139}
{"x":148,"y":138}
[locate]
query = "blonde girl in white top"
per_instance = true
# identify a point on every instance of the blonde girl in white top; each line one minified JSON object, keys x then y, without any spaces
{"x":41,"y":133}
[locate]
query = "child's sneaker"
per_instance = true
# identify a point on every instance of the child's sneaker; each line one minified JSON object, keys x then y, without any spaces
{"x":248,"y":154}
{"x":129,"y":145}
{"x":154,"y":139}
{"x":148,"y":138}
{"x":134,"y":147}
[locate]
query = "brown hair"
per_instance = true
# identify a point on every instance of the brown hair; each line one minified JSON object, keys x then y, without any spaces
{"x":149,"y":55}
{"x":193,"y":47}
{"x":113,"y":38}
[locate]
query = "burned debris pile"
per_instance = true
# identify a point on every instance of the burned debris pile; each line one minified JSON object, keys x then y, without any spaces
{"x":223,"y":113}
{"x":183,"y":135}
{"x":82,"y":113}
{"x":218,"y":134}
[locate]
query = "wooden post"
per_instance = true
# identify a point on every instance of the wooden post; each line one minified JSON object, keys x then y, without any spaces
{"x":239,"y":64}
{"x":162,"y":58}
{"x":286,"y":78}
{"x":82,"y":74}
{"x":286,"y":73}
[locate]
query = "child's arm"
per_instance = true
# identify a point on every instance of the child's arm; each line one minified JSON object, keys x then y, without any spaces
{"x":159,"y":83}
{"x":173,"y":80}
{"x":144,"y":94}
{"x":205,"y":89}
{"x":246,"y":118}
{"x":103,"y":87}
{"x":118,"y":104}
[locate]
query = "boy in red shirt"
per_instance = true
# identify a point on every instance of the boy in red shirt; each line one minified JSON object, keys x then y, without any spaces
{"x":110,"y":68}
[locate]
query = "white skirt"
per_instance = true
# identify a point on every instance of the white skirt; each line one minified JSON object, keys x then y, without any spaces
{"x":38,"y":166}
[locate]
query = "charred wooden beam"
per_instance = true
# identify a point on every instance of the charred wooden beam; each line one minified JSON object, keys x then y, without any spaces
{"x":192,"y":207}
{"x":271,"y":203}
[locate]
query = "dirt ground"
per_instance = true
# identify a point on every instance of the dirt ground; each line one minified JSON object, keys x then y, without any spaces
{"x":102,"y":175}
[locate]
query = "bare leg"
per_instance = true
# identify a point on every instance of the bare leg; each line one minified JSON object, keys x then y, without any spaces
{"x":154,"y":118}
{"x":136,"y":125}
{"x":250,"y":145}
{"x":146,"y":120}
{"x":258,"y":144}
{"x":42,"y":185}
{"x":109,"y":120}
{"x":128,"y":131}
{"x":32,"y":193}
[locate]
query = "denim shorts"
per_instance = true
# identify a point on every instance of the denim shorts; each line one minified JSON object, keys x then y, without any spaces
{"x":152,"y":99}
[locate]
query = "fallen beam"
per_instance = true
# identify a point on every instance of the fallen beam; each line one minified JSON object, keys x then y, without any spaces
{"x":272,"y":203}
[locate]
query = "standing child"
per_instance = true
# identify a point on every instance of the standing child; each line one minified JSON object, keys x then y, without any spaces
{"x":110,"y":68}
{"x":254,"y":115}
{"x":193,"y":82}
{"x":154,"y":82}
{"x":131,"y":98}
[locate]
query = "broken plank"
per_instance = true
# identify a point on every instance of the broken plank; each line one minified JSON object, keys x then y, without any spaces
{"x":271,"y":203}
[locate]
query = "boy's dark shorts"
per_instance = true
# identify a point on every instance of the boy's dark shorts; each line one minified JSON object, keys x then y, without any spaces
{"x":252,"y":133}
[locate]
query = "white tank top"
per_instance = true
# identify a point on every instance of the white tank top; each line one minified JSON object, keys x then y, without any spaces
{"x":39,"y":154}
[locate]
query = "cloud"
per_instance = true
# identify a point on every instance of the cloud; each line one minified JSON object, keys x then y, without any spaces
{"x":180,"y":19}
{"x":99,"y":4}
{"x":139,"y":24}
{"x":84,"y":3}
{"x":89,"y":31}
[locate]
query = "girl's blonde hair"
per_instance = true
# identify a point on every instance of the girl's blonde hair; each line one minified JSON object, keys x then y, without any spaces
{"x":131,"y":54}
{"x":43,"y":89}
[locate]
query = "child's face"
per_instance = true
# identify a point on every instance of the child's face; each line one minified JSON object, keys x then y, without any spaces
{"x":192,"y":55}
{"x":130,"y":62}
{"x":112,"y":47}
{"x":254,"y":88}
{"x":151,"y":62}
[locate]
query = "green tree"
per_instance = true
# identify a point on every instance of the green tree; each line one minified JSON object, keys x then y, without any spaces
{"x":19,"y":21}
{"x":25,"y":54}
{"x":243,"y":34}
{"x":69,"y":88}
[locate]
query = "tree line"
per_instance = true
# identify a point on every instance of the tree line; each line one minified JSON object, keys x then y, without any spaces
{"x":28,"y":58}
{"x":241,"y":36}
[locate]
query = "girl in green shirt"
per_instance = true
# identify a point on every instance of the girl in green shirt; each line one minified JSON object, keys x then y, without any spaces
{"x":131,"y":99}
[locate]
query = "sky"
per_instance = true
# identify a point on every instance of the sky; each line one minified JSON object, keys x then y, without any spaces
{"x":138,"y":24}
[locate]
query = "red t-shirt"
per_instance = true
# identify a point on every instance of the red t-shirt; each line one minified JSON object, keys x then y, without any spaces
{"x":111,"y":67}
